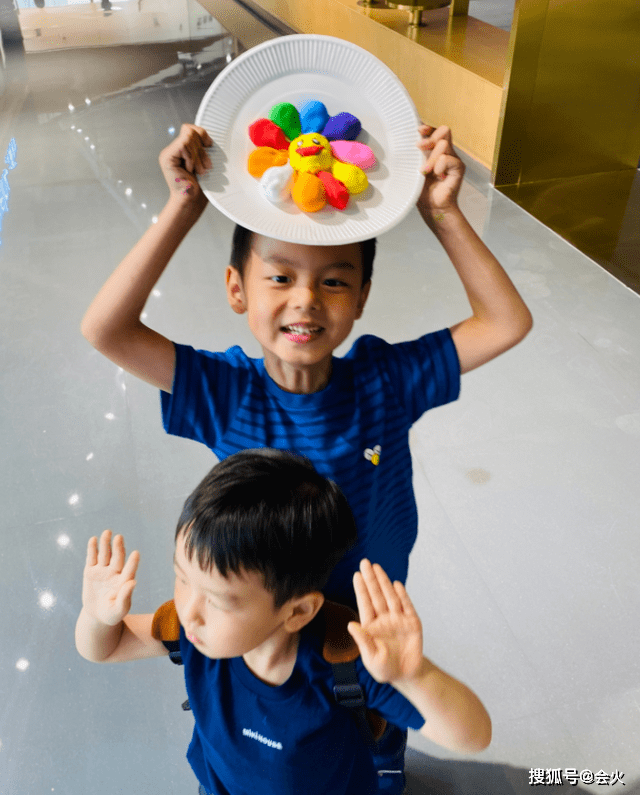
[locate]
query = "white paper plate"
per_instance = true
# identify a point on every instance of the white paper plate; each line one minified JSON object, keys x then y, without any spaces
{"x":346,"y":78}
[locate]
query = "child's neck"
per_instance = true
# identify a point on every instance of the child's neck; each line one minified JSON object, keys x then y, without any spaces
{"x":273,"y":662}
{"x":300,"y":380}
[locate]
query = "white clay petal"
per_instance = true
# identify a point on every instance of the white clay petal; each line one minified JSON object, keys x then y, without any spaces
{"x":276,"y":181}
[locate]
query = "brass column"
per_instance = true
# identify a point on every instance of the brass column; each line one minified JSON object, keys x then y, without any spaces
{"x":569,"y":133}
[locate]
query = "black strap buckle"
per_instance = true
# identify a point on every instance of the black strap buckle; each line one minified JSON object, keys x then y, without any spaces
{"x":349,"y":695}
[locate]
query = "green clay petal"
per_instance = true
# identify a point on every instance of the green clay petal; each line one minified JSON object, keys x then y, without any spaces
{"x":286,"y":116}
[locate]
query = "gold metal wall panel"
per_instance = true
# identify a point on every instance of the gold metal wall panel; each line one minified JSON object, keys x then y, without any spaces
{"x":572,"y":99}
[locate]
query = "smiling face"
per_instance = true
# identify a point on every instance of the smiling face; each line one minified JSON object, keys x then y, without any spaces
{"x":301,"y":302}
{"x":310,"y":152}
{"x":224,"y":616}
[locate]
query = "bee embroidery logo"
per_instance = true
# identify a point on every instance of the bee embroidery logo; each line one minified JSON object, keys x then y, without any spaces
{"x":373,"y":455}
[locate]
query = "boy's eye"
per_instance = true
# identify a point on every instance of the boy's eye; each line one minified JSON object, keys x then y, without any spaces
{"x":334,"y":283}
{"x":279,"y":279}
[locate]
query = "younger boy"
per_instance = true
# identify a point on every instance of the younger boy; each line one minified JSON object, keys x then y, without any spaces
{"x":254,"y":547}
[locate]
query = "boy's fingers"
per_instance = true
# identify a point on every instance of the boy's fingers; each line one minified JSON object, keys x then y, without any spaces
{"x":448,"y":165}
{"x":104,"y":548}
{"x":442,"y":133}
{"x":131,"y":566}
{"x":373,"y":586}
{"x":403,"y":597}
{"x":92,"y":551}
{"x":391,"y":597}
{"x":441,"y":148}
{"x":204,"y":135}
{"x":118,"y":553}
{"x":362,"y":638}
{"x":365,"y":608}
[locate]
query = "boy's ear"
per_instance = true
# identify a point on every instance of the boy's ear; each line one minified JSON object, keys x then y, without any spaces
{"x":302,"y":610}
{"x":235,"y":290}
{"x":362,"y":300}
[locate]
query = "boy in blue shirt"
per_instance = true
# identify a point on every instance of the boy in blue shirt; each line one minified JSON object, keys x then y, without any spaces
{"x":350,"y":416}
{"x":254,"y":547}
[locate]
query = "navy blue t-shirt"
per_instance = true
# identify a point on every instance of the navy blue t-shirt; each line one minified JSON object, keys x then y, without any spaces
{"x":355,"y":431}
{"x":250,"y":737}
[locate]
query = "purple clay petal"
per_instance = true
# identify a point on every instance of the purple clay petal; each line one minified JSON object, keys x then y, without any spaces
{"x":343,"y":127}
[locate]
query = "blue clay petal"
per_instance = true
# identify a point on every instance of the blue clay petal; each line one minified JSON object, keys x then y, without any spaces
{"x":343,"y":127}
{"x":313,"y":116}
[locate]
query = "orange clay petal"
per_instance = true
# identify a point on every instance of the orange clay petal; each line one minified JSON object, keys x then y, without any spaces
{"x":263,"y":158}
{"x":308,"y":193}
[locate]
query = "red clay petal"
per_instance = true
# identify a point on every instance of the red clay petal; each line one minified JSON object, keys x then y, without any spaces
{"x":336,"y":193}
{"x":265,"y":133}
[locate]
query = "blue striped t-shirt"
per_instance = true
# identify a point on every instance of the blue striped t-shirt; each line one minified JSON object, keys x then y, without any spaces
{"x":355,"y":430}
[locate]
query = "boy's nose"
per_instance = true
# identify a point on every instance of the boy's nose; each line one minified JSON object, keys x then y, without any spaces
{"x":191,"y":614}
{"x":306,"y":297}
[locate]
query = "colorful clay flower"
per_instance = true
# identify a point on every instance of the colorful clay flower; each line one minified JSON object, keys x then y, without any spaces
{"x":309,"y":156}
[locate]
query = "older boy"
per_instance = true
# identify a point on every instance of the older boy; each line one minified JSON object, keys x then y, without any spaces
{"x":254,"y":546}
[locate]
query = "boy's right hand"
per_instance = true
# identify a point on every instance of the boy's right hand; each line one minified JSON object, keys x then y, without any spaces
{"x":389,"y":634}
{"x":183,"y":159}
{"x":108,"y":581}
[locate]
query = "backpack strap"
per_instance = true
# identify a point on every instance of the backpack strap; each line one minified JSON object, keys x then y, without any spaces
{"x":341,"y":650}
{"x":165,"y":627}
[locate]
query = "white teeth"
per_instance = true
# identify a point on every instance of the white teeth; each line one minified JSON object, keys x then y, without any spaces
{"x":302,"y":329}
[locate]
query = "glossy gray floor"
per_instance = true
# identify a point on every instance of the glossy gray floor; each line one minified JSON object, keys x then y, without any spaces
{"x":526,"y":568}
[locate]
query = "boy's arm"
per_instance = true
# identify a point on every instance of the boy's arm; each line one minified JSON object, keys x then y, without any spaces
{"x":104,"y":631}
{"x":389,"y":637}
{"x":112,"y":322}
{"x":500,"y":317}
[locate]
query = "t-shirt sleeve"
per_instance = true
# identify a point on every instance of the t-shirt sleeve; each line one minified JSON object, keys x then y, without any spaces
{"x":207,"y":390}
{"x":386,"y":700}
{"x":425,"y":373}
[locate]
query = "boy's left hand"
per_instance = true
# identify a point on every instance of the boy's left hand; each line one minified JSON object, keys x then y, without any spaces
{"x":442,"y":168}
{"x":389,"y":634}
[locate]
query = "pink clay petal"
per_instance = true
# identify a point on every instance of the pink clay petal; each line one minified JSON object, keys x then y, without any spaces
{"x":353,"y":152}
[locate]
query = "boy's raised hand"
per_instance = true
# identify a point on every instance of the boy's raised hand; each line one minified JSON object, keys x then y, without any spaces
{"x":442,"y":168}
{"x":183,"y":160}
{"x":108,"y":581}
{"x":389,"y":634}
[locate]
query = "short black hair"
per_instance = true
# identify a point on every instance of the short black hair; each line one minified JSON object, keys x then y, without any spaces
{"x":268,"y":511}
{"x":241,"y":247}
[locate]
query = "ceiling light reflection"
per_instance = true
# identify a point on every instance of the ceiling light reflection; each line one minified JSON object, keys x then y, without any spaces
{"x":74,"y":499}
{"x":63,"y":540}
{"x":46,"y":600}
{"x":22,"y":664}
